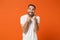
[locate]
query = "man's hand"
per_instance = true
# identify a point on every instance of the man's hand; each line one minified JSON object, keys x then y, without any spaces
{"x":28,"y":19}
{"x":34,"y":18}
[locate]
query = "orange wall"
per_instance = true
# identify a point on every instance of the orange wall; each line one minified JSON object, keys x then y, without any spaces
{"x":11,"y":10}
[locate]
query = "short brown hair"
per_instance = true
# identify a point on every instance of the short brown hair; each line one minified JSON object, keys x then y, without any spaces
{"x":32,"y":5}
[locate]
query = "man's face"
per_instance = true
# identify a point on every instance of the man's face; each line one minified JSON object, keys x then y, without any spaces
{"x":31,"y":10}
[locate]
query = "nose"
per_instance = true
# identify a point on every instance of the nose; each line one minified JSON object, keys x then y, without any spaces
{"x":31,"y":10}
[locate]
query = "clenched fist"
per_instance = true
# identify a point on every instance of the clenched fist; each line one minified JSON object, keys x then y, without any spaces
{"x":28,"y":19}
{"x":34,"y":18}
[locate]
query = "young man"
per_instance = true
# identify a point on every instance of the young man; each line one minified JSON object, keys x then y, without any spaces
{"x":30,"y":23}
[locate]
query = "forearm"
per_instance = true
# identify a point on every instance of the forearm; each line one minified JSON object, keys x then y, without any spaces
{"x":35,"y":26}
{"x":26,"y":26}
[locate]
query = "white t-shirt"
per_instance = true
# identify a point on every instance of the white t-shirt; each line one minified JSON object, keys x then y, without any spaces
{"x":30,"y":35}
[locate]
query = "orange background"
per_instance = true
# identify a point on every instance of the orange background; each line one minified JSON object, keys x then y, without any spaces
{"x":11,"y":10}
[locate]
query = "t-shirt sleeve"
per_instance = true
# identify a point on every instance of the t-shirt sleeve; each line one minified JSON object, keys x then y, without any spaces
{"x":22,"y":20}
{"x":38,"y":19}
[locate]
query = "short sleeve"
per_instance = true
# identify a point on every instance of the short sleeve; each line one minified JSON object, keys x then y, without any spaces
{"x":22,"y":20}
{"x":38,"y":19}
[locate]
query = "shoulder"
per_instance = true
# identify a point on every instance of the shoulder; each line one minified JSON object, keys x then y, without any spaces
{"x":23,"y":16}
{"x":38,"y":17}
